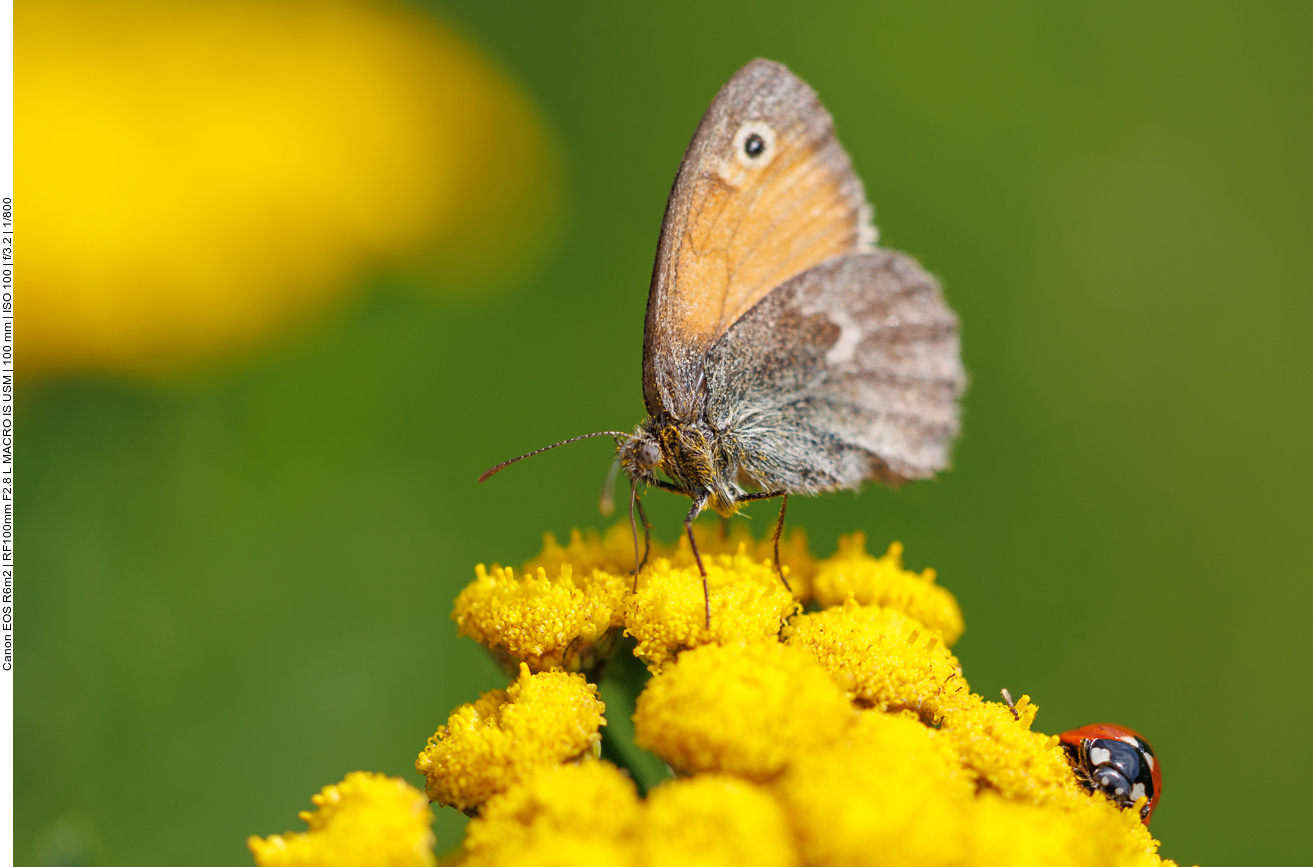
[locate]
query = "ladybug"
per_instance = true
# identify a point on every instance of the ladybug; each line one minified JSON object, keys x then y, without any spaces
{"x":1116,"y":761}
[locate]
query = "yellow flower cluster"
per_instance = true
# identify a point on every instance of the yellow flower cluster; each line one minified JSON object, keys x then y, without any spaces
{"x":845,"y":735}
{"x":365,"y":819}
{"x":571,"y":599}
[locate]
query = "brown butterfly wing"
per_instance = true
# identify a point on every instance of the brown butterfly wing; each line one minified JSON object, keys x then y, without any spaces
{"x":738,"y":224}
{"x":849,"y":371}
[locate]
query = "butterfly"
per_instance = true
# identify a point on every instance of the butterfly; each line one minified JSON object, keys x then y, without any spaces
{"x":783,"y":352}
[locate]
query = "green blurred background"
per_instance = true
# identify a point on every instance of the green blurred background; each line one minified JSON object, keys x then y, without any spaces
{"x":235,"y":588}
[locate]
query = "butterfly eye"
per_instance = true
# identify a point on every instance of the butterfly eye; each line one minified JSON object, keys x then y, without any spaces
{"x":649,"y":455}
{"x":754,"y":146}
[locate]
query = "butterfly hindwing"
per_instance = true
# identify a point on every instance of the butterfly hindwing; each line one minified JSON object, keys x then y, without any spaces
{"x":765,"y":192}
{"x":849,"y":371}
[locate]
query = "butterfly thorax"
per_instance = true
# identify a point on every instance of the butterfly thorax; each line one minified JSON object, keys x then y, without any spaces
{"x":692,"y":455}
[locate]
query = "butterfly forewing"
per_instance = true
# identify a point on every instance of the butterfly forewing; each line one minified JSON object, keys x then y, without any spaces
{"x":764,"y":193}
{"x":849,"y":371}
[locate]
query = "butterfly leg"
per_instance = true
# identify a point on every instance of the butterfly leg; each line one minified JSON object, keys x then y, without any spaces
{"x":779,"y":526}
{"x":667,"y":486}
{"x":699,"y":503}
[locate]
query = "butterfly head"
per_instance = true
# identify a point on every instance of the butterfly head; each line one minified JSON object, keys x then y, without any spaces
{"x":640,"y":455}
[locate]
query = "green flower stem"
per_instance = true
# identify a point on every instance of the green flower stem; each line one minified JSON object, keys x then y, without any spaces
{"x":622,"y":680}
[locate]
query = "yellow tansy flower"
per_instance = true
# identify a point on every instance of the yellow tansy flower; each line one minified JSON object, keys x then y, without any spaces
{"x":883,"y":581}
{"x":614,"y":551}
{"x":586,"y":810}
{"x":714,"y":821}
{"x":539,"y":720}
{"x":881,"y":658}
{"x":795,"y":556}
{"x":668,"y":613}
{"x":586,"y":553}
{"x":545,"y":620}
{"x":1005,"y":754}
{"x":890,"y":793}
{"x":367,"y":819}
{"x":1090,"y":833}
{"x":742,"y":710}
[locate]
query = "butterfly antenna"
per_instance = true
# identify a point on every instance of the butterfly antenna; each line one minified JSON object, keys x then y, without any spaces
{"x":605,"y":433}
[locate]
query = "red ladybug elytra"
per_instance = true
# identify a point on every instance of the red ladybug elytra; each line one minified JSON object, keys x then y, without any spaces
{"x":1116,"y":761}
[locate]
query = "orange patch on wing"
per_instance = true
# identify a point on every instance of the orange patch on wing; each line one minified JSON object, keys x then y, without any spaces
{"x":740,"y":223}
{"x":741,"y":243}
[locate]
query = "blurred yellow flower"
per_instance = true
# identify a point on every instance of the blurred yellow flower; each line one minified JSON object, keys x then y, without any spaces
{"x":365,"y":819}
{"x":890,"y":792}
{"x":204,"y":174}
{"x":844,"y":736}
{"x":714,"y":820}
